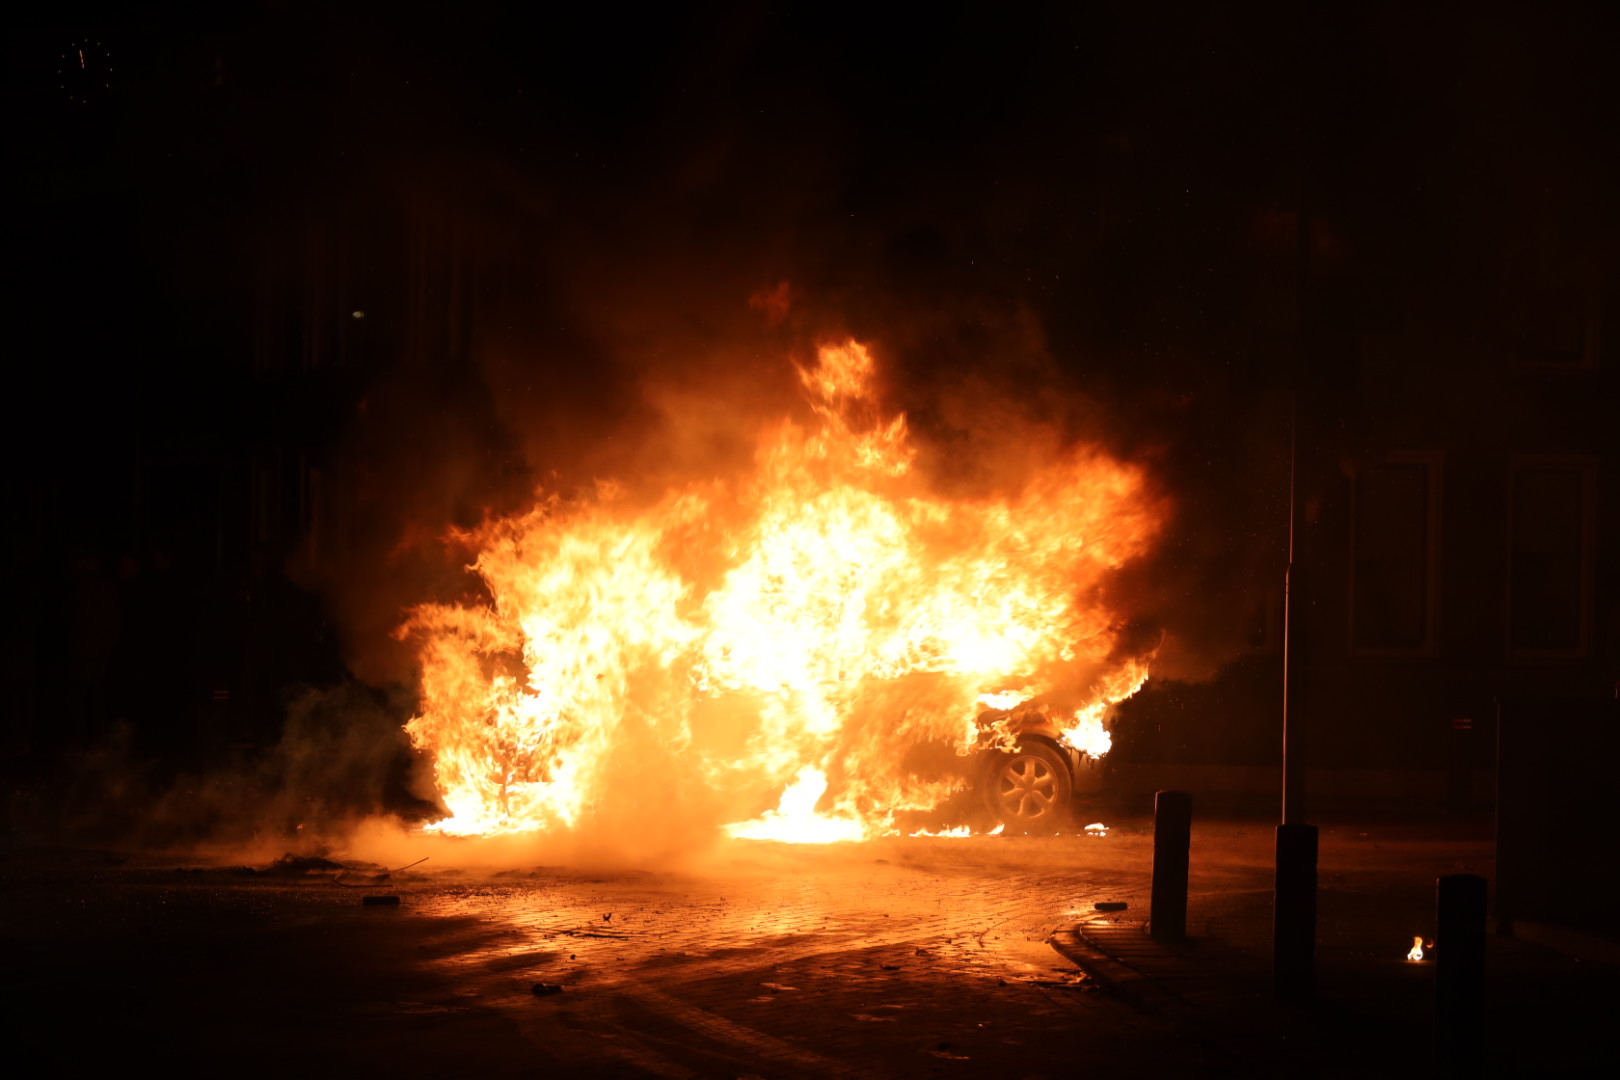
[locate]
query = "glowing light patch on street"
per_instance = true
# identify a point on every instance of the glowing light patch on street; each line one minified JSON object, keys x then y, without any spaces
{"x":795,"y":820}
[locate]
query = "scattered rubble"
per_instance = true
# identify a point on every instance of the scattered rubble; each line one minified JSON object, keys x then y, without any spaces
{"x":290,"y":865}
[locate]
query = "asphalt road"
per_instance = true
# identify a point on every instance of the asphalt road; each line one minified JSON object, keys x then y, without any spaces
{"x":903,"y":957}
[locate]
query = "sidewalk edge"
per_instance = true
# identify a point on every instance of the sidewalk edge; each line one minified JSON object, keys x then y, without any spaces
{"x":1115,"y":976}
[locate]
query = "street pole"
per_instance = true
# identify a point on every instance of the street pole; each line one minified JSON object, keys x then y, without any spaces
{"x":1295,"y":599}
{"x":1293,"y":749}
{"x":1172,"y":838}
{"x":1293,"y":927}
{"x":1459,"y":975}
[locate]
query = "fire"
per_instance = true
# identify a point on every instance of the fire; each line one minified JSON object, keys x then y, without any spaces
{"x":795,"y":820}
{"x":1416,"y":952}
{"x":1086,"y":732}
{"x":786,"y":636}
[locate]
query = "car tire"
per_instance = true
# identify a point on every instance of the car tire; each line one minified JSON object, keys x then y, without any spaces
{"x":1029,"y":790}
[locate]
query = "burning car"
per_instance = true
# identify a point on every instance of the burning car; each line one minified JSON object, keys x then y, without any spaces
{"x":1032,"y":787}
{"x":785,"y":635}
{"x":1029,"y":772}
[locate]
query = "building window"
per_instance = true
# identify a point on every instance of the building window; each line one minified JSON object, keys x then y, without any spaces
{"x":1550,"y":562}
{"x":1395,"y":553}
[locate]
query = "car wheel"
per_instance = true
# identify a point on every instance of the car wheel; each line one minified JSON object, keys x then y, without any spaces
{"x":1030,"y":789}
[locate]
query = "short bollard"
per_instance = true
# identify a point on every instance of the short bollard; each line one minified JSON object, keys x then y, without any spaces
{"x":1172,"y":838}
{"x":1459,"y":974}
{"x":1293,"y":920}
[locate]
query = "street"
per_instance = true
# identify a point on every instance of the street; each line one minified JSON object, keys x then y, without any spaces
{"x":904,"y":956}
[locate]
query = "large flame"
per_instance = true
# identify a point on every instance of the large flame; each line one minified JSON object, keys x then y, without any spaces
{"x":787,"y":637}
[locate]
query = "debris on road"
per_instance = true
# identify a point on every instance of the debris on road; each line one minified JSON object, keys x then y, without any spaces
{"x":360,"y":881}
{"x":545,"y":989}
{"x":1110,"y":905}
{"x":290,"y":865}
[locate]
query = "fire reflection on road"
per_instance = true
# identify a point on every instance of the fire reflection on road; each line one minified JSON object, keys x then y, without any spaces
{"x":786,"y":951}
{"x":865,"y":959}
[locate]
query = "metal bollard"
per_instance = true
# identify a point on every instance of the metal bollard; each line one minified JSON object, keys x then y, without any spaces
{"x":1172,"y":839}
{"x":1293,"y":921}
{"x":1459,"y":974}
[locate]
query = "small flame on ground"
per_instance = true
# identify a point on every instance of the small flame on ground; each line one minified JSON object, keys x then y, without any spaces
{"x":1416,"y":952}
{"x":960,"y":830}
{"x":1096,"y":828}
{"x":795,"y":819}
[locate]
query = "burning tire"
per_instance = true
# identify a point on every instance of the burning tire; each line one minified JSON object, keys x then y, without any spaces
{"x":1029,"y":790}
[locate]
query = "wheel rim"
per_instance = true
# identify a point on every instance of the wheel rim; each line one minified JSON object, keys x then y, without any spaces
{"x":1026,"y":788}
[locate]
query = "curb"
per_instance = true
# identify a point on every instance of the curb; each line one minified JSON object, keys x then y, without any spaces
{"x":1148,"y":994}
{"x":1115,"y":976}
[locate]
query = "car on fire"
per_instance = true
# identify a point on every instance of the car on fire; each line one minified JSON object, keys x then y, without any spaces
{"x":1027,"y":777}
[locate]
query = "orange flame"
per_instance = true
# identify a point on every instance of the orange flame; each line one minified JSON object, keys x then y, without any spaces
{"x":787,"y":637}
{"x":1416,"y":952}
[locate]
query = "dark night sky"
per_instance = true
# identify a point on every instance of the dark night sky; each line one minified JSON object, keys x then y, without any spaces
{"x":975,"y":149}
{"x":1099,"y":198}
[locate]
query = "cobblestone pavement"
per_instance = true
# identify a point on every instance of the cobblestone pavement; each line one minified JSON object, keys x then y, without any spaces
{"x":920,"y":956}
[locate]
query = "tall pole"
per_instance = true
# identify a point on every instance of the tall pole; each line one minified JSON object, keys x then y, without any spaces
{"x":1293,"y":757}
{"x":1293,"y":928}
{"x":1294,"y":599}
{"x":1293,"y":925}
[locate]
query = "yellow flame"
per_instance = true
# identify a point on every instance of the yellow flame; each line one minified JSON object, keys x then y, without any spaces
{"x":795,"y":820}
{"x":783,"y":636}
{"x":1003,"y":699}
{"x":1086,"y":732}
{"x":1416,"y":952}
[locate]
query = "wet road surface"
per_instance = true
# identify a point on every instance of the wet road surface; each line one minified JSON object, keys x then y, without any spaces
{"x":904,"y":957}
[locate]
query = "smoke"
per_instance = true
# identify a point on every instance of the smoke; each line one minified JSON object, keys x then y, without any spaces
{"x":341,"y":760}
{"x":625,"y":299}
